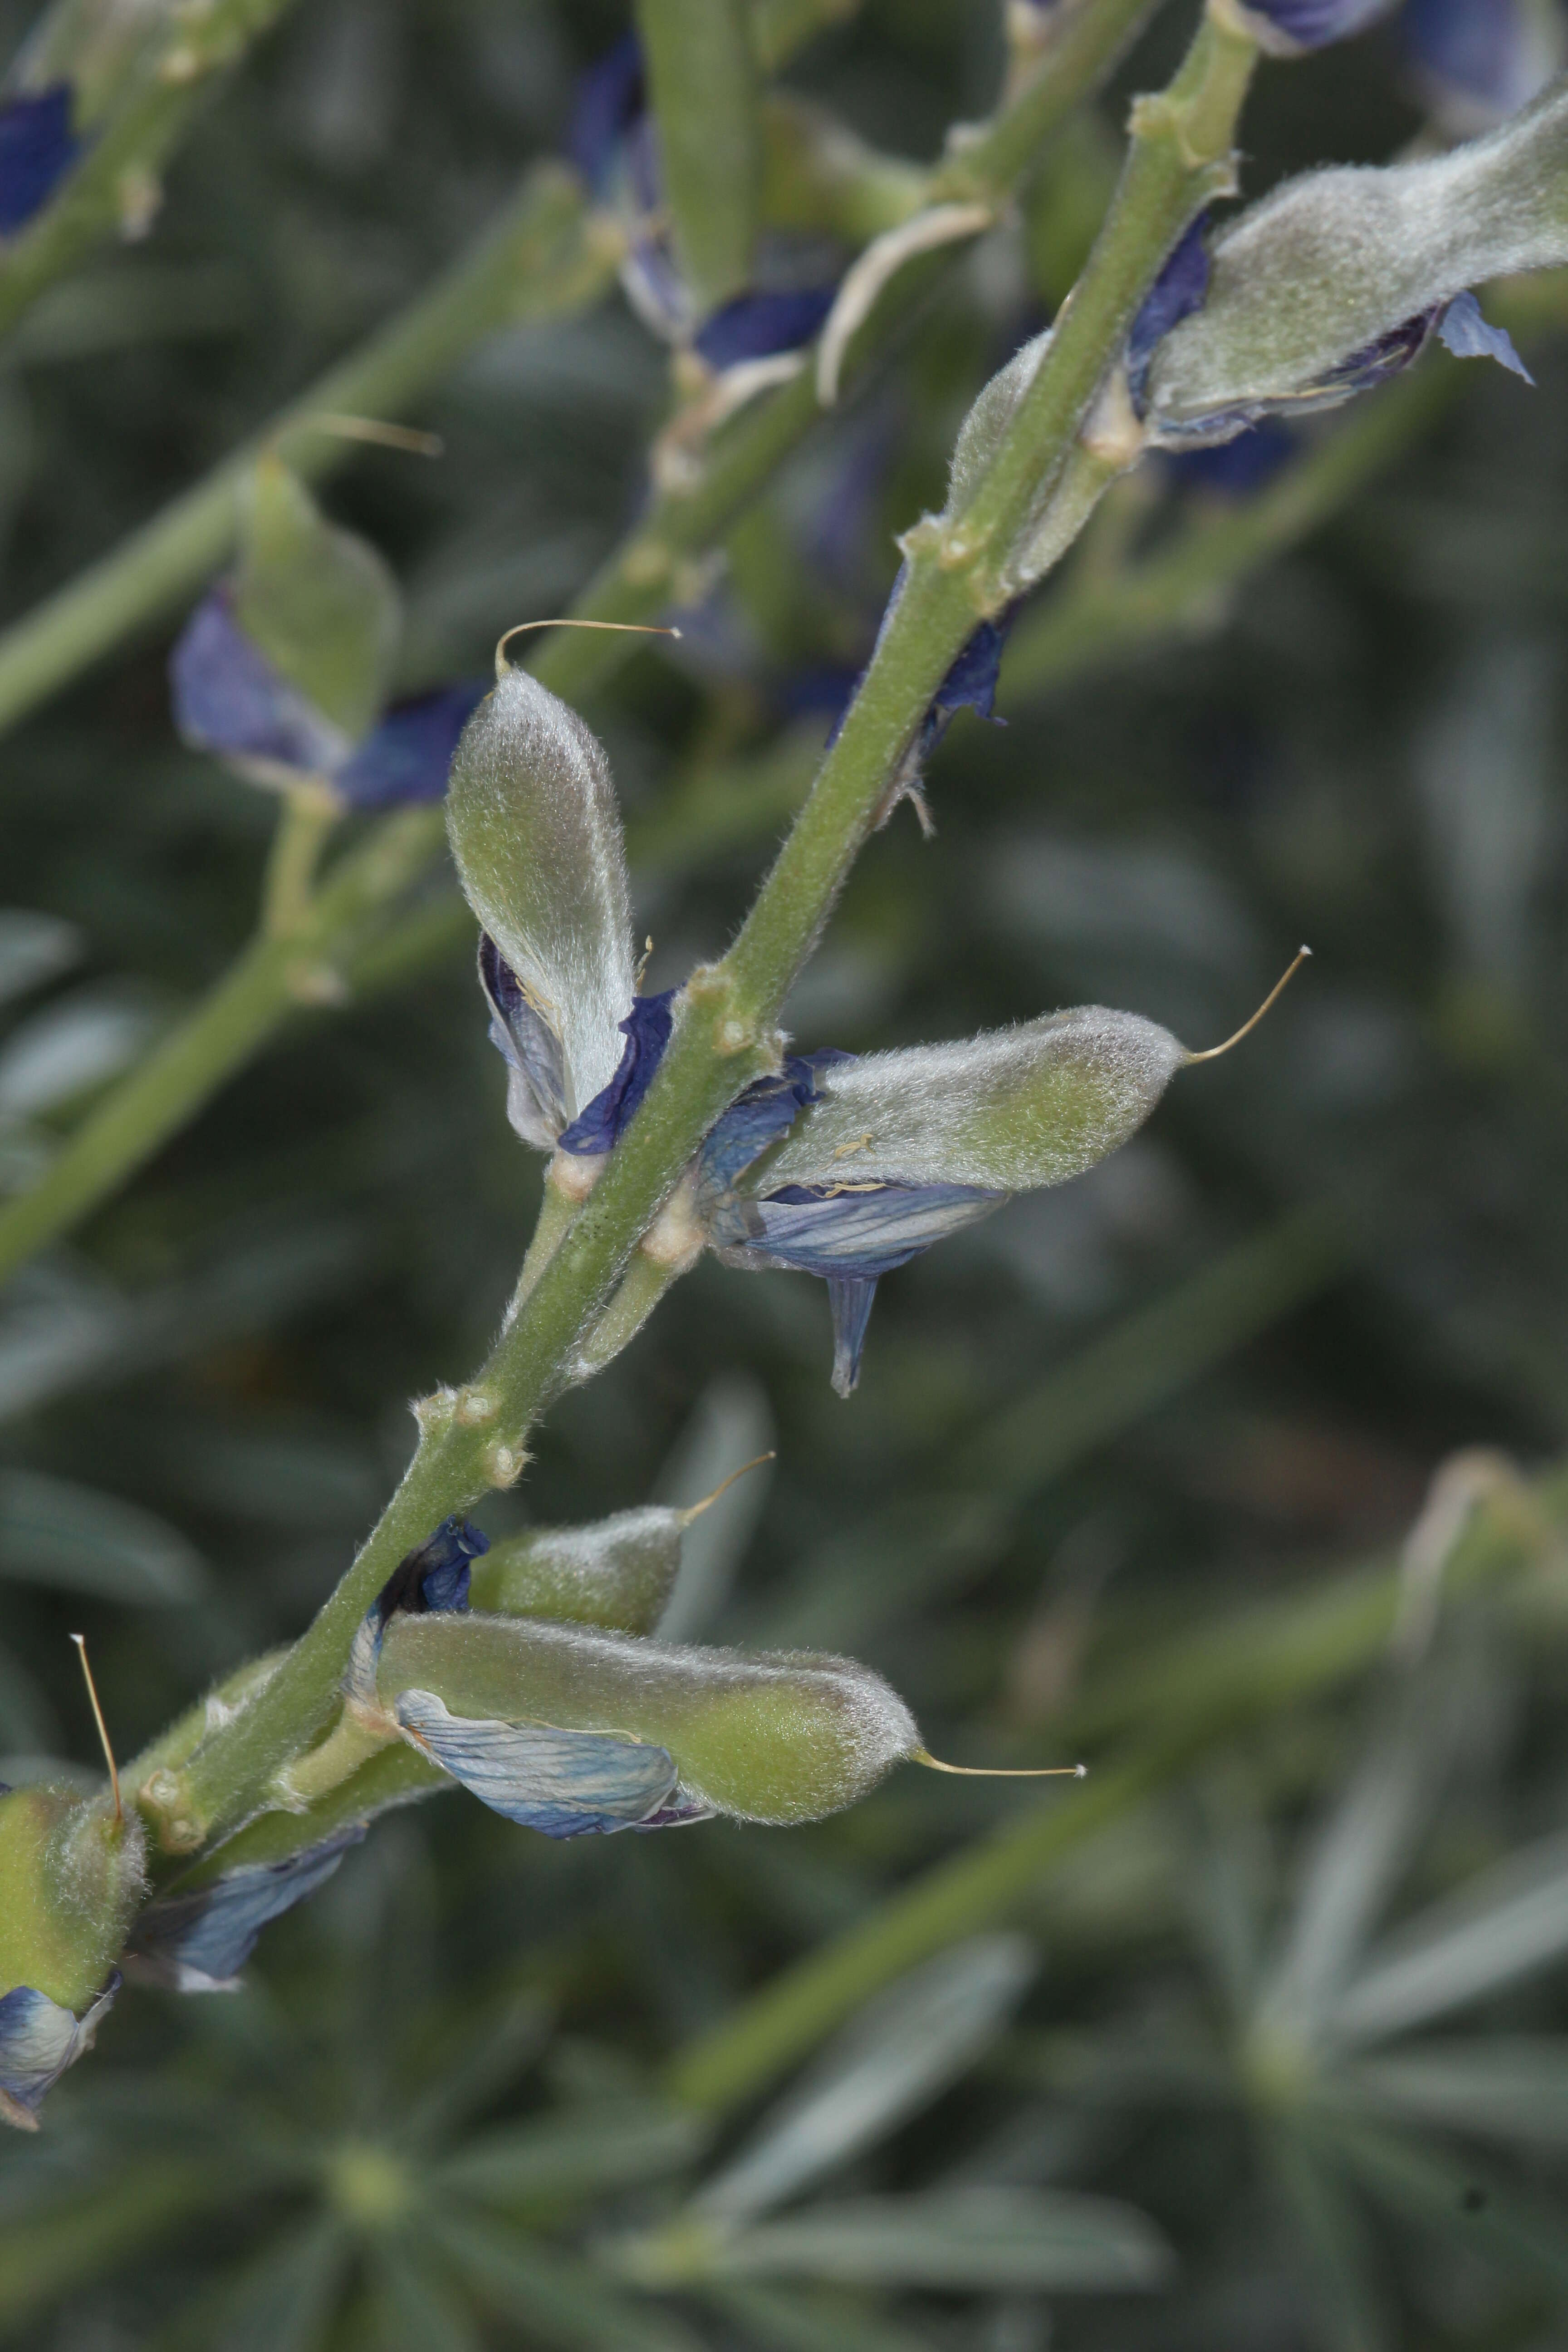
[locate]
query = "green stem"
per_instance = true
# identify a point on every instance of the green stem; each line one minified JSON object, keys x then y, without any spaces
{"x":544,"y":255}
{"x":1284,"y":1652}
{"x":725,"y":1034}
{"x":274,"y":976}
{"x":116,"y":181}
{"x":703,"y":93}
{"x":304,"y":821}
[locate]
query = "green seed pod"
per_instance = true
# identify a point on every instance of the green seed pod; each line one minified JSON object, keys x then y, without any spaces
{"x":616,"y":1573}
{"x":1010,"y":1110}
{"x":320,"y":604}
{"x":530,"y":810}
{"x":70,"y":1880}
{"x":786,"y":1737}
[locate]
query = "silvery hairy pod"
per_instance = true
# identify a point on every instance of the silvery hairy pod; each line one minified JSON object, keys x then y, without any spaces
{"x":616,"y":1573}
{"x":70,"y":1879}
{"x":568,"y":1729}
{"x":536,"y":834}
{"x":1337,"y":279}
{"x":870,"y":1159}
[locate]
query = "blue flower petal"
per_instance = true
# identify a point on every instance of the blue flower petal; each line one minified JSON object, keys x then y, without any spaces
{"x":37,"y":147}
{"x":851,"y":1305}
{"x":756,"y":324}
{"x":1313,"y":24}
{"x":199,"y":1942}
{"x":229,"y":698}
{"x":763,"y":1114}
{"x":647,"y":1029}
{"x":565,"y":1783}
{"x":609,"y":99}
{"x":432,"y":1578}
{"x":1467,"y":334}
{"x":1176,"y":293}
{"x":846,"y":1230}
{"x":406,"y":757}
{"x":536,"y":1087}
{"x":39,"y":2039}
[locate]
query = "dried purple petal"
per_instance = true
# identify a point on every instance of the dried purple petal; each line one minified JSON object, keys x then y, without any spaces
{"x":37,"y":147}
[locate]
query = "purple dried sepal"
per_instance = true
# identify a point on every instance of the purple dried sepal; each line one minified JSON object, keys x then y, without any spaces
{"x":971,"y":683}
{"x":564,"y":1783}
{"x":1176,"y":293}
{"x":849,"y":1231}
{"x":39,"y":2039}
{"x":536,"y":1083}
{"x":407,"y":758}
{"x":229,"y":698}
{"x":1464,"y":331}
{"x":199,"y":1942}
{"x":757,"y":324}
{"x":850,"y":1301}
{"x":37,"y":147}
{"x":647,"y":1029}
{"x":609,"y":99}
{"x":434,"y":1577}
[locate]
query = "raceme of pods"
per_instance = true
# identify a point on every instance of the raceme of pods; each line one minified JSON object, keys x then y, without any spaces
{"x":72,"y":1870}
{"x":839,"y":1167}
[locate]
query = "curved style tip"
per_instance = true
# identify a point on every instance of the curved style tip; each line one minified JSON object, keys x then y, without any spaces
{"x":985,"y":1772}
{"x":1213,"y":1052}
{"x":80,"y":1641}
{"x":628,"y":628}
{"x":374,"y":429}
{"x":695,"y":1510}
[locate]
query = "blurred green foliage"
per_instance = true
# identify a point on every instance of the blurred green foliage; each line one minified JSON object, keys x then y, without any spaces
{"x":1092,"y":1433}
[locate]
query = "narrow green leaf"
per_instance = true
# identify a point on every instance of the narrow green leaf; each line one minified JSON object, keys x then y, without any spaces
{"x":779,"y":2319}
{"x":416,"y":2309}
{"x":1504,"y":1925}
{"x":552,"y":2295}
{"x":572,"y":2153}
{"x":1331,"y":2243}
{"x":1501,"y":2087}
{"x":1447,"y":2195}
{"x":56,"y":1533}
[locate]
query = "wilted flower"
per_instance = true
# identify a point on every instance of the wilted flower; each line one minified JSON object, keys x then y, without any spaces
{"x":198,"y":1940}
{"x":282,"y":667}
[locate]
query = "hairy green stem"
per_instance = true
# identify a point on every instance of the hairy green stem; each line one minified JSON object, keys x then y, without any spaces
{"x":114,"y":187}
{"x":1219,"y":1682}
{"x":724,"y":1034}
{"x":544,"y":255}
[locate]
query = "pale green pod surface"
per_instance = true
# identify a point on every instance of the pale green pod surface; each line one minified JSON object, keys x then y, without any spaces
{"x":70,"y":1880}
{"x":322,"y":605}
{"x":1009,"y":1110}
{"x":616,"y":1573}
{"x":530,"y":810}
{"x":785,"y":1737}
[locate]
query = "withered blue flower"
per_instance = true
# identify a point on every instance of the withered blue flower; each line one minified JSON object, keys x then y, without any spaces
{"x":37,"y":147}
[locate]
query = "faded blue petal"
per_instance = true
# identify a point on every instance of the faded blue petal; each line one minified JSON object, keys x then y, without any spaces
{"x":37,"y":147}
{"x":1176,"y":293}
{"x":564,"y":1783}
{"x":756,"y":324}
{"x":406,"y":757}
{"x":229,"y":698}
{"x":1313,"y":24}
{"x":1464,"y":331}
{"x":39,"y":2039}
{"x":1494,"y":55}
{"x":971,"y":683}
{"x":609,"y":99}
{"x":199,"y":1942}
{"x":851,"y":1305}
{"x":536,"y":1085}
{"x":763,"y":1114}
{"x":1235,"y":469}
{"x":846,"y":1230}
{"x":647,"y":1029}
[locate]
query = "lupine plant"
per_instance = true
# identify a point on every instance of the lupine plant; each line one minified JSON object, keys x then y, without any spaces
{"x":1146,"y":410}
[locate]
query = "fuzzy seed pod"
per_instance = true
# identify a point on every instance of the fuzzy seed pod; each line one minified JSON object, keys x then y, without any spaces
{"x":531,"y":813}
{"x":71,"y":1871}
{"x":782,"y":1737}
{"x":616,"y":1573}
{"x":1006,"y":1111}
